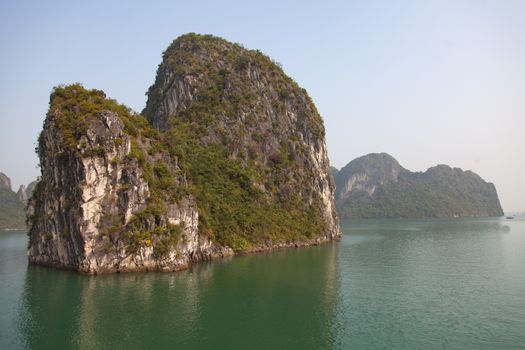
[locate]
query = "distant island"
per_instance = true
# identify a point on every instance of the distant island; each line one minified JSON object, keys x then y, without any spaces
{"x":12,"y":215}
{"x":228,"y":156}
{"x":377,"y":186}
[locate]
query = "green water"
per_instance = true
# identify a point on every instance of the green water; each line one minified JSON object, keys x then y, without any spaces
{"x":391,"y":284}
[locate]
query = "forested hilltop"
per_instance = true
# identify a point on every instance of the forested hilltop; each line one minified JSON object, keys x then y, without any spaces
{"x":376,"y":186}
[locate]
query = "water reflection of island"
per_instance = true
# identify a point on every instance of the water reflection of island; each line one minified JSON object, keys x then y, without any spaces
{"x":260,"y":301}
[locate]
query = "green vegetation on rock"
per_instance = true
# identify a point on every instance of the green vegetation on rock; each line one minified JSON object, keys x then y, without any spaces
{"x":232,"y":210}
{"x":76,"y":108}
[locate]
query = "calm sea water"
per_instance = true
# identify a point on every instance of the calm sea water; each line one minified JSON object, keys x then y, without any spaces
{"x":391,"y":284}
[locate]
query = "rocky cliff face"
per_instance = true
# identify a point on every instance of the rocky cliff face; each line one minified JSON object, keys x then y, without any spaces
{"x":93,"y":209}
{"x":12,"y":214}
{"x":231,"y":159}
{"x":376,"y":186}
{"x":5,"y":182}
{"x":25,"y":192}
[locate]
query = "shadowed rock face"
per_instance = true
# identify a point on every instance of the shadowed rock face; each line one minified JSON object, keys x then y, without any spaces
{"x":376,"y":186}
{"x":231,"y":158}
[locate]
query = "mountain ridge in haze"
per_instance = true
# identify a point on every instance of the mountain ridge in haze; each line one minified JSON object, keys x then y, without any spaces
{"x":377,"y":186}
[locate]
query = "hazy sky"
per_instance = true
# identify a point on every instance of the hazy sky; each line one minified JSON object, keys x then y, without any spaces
{"x":427,"y":81}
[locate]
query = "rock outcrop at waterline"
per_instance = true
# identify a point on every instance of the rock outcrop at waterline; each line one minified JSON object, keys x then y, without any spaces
{"x":228,"y":157}
{"x":377,"y":186}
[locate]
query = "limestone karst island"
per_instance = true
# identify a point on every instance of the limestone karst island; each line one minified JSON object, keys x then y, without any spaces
{"x":377,"y":186}
{"x":228,"y":156}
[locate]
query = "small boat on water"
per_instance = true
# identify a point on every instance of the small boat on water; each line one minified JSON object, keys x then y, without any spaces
{"x":509,"y":217}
